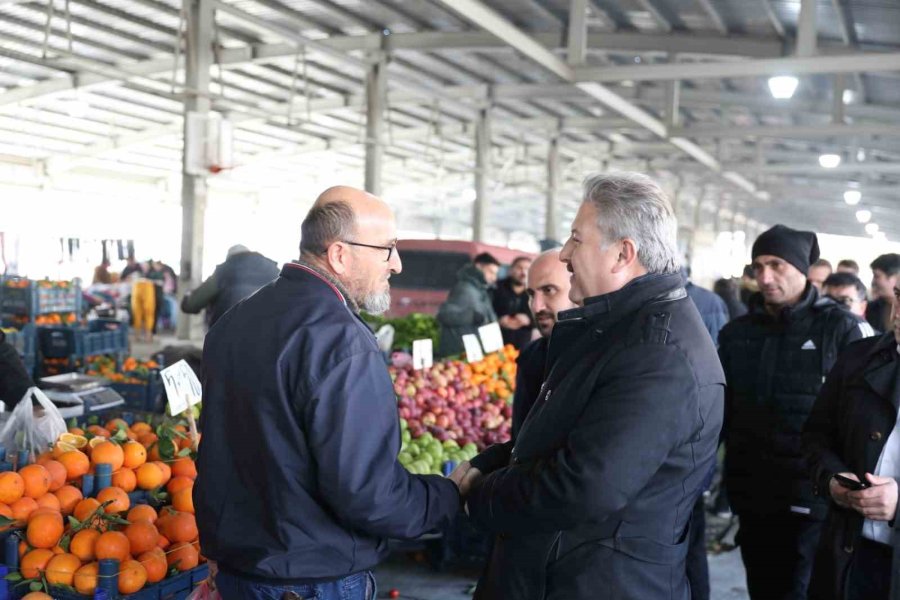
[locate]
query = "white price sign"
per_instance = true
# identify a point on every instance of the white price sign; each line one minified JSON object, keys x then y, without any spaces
{"x":182,"y":387}
{"x":473,"y":348}
{"x":491,"y":337}
{"x":423,"y":354}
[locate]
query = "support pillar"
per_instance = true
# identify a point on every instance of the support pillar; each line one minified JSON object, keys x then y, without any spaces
{"x":551,"y":220}
{"x":806,"y":29}
{"x":376,"y":89}
{"x":482,"y":174}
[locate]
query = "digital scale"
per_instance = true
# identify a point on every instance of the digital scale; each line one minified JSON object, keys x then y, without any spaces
{"x":75,"y":394}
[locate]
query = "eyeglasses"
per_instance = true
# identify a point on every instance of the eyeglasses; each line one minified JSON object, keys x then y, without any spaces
{"x":390,"y":249}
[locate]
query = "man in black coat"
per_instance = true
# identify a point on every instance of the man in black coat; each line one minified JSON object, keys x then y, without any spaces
{"x":885,"y":277}
{"x":510,"y":301}
{"x":595,"y":498}
{"x":775,"y":359}
{"x":14,"y":379}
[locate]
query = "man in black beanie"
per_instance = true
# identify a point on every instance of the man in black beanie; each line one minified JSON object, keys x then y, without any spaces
{"x":775,"y":359}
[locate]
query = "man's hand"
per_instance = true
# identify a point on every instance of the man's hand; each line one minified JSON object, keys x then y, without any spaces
{"x":523,"y":320}
{"x":465,"y":476}
{"x":510,"y":322}
{"x":839,"y":492}
{"x":878,"y":502}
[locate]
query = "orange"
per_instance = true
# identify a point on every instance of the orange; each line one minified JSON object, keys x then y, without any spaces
{"x":142,"y":511}
{"x":183,"y":500}
{"x":76,"y":431}
{"x":153,"y":452}
{"x":120,"y":500}
{"x":44,"y":530}
{"x":68,"y":496}
{"x":132,"y":577}
{"x":149,"y":476}
{"x":22,"y":508}
{"x":179,"y":483}
{"x":43,"y":457}
{"x":183,"y":557}
{"x":98,"y":431}
{"x":166,"y":470}
{"x":6,"y":511}
{"x":142,"y":535}
{"x":43,"y":510}
{"x":135,"y":455}
{"x":163,"y":542}
{"x":112,"y":544}
{"x":154,"y":562}
{"x":34,"y":562}
{"x":49,"y":500}
{"x":24,"y":548}
{"x":37,"y":480}
{"x":181,"y":527}
{"x":113,"y":425}
{"x":184,"y":467}
{"x":76,"y":463}
{"x":58,"y":474}
{"x":85,"y":508}
{"x":36,"y":596}
{"x":83,"y":543}
{"x":141,"y":427}
{"x":86,"y":578}
{"x":147,"y":439}
{"x":108,"y":453}
{"x":125,"y":479}
{"x":61,"y":569}
{"x":12,"y":487}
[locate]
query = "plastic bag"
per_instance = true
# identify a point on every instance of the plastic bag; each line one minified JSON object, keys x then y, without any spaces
{"x":32,"y":427}
{"x":207,"y":590}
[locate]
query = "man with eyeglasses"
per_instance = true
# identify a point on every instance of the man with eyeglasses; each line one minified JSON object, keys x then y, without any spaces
{"x":847,"y":290}
{"x":301,"y":487}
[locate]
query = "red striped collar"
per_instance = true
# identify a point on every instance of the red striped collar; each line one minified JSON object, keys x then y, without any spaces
{"x":320,"y":276}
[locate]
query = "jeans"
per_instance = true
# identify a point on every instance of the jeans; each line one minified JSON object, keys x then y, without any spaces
{"x":696,"y":562}
{"x":359,"y":586}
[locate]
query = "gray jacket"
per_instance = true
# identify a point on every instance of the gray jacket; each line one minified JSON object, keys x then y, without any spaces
{"x":467,"y":308}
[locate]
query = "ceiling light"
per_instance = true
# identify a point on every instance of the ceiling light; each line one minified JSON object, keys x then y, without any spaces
{"x":469,"y":195}
{"x":852,"y":197}
{"x":872,"y":228}
{"x":830,"y":161}
{"x":783,"y":86}
{"x":860,"y":155}
{"x":849,"y":96}
{"x":863,"y":216}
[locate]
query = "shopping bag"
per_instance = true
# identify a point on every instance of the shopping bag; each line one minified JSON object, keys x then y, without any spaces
{"x":204,"y":592}
{"x":32,"y":427}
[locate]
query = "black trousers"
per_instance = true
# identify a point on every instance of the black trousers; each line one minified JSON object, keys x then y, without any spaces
{"x":778,"y":554}
{"x":870,"y":573}
{"x":697,"y":565}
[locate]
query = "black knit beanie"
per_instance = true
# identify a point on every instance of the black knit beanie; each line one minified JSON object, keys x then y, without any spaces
{"x":799,"y":248}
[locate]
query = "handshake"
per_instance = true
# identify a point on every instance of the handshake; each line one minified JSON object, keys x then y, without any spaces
{"x":465,"y":476}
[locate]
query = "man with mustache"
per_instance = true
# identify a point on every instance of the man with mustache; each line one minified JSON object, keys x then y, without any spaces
{"x":775,"y":359}
{"x":300,"y":486}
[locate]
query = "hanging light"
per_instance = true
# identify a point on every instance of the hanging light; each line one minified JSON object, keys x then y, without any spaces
{"x":863,"y":216}
{"x":852,"y":197}
{"x":872,"y":228}
{"x":849,"y":96}
{"x":783,"y":86}
{"x":829,"y":161}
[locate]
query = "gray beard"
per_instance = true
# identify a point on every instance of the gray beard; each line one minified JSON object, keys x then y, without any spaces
{"x":376,"y":304}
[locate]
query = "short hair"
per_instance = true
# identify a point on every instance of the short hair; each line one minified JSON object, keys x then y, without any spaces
{"x":822,"y":263}
{"x":888,"y":264}
{"x":325,"y":224}
{"x":632,"y":206}
{"x":839,"y":280}
{"x":849,"y":264}
{"x":519,"y":259}
{"x":485,"y":258}
{"x":748,"y":272}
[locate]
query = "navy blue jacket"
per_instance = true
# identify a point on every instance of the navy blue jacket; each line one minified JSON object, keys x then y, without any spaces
{"x":711,"y":307}
{"x":300,"y":479}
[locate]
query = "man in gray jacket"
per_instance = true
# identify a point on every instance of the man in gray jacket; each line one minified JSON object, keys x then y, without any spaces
{"x":469,"y":305}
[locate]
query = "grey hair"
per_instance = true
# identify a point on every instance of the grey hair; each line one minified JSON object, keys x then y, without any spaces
{"x":632,"y":206}
{"x":325,"y":224}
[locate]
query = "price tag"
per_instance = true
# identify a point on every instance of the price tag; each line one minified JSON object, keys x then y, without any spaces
{"x":473,"y":348}
{"x":491,"y":337}
{"x":182,"y":387}
{"x":423,"y":353}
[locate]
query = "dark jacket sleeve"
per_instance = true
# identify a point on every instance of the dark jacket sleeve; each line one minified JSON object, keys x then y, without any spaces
{"x":622,"y":438}
{"x":14,"y":379}
{"x":821,"y":439}
{"x":460,"y":309}
{"x":196,"y":300}
{"x":854,"y":330}
{"x":718,"y":318}
{"x":354,"y":436}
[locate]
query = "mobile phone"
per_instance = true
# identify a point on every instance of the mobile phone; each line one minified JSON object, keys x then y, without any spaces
{"x":851,"y":484}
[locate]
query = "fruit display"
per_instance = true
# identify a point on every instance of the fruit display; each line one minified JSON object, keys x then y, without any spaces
{"x":454,"y":409}
{"x":66,"y":529}
{"x":56,"y":319}
{"x":416,"y":326}
{"x":133,"y":370}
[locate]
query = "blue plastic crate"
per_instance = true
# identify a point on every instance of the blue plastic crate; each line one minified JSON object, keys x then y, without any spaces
{"x":33,"y":300}
{"x":144,"y":397}
{"x":77,"y":343}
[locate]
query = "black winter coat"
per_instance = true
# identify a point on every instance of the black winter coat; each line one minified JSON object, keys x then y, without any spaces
{"x":853,"y":416}
{"x":774,"y":368}
{"x":595,"y":499}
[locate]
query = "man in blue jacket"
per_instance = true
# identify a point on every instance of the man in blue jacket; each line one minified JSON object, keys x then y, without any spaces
{"x":300,"y":486}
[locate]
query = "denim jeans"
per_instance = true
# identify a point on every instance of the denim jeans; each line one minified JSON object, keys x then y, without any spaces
{"x":360,"y":586}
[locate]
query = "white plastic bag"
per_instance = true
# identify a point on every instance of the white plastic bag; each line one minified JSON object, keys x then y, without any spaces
{"x":32,"y":427}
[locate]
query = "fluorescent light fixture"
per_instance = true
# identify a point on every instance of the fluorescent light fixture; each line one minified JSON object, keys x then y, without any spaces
{"x":852,"y":197}
{"x":830,"y":161}
{"x":469,"y":195}
{"x":872,"y":228}
{"x":849,"y":96}
{"x":783,"y":86}
{"x":863,"y":216}
{"x":860,"y":155}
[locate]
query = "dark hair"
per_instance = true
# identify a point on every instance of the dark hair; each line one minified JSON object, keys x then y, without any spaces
{"x":822,"y":263}
{"x":748,"y":272}
{"x":889,"y":264}
{"x":519,"y":259}
{"x":486,"y":258}
{"x":325,"y":224}
{"x":850,"y":264}
{"x":843,"y":280}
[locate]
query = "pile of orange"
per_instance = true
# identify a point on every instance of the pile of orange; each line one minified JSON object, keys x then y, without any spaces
{"x":496,"y":372}
{"x":40,"y":497}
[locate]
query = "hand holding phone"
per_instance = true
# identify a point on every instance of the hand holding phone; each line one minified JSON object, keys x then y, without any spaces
{"x":850,"y":484}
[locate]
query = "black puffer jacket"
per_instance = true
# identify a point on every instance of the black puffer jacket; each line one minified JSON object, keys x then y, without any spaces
{"x":774,"y":367}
